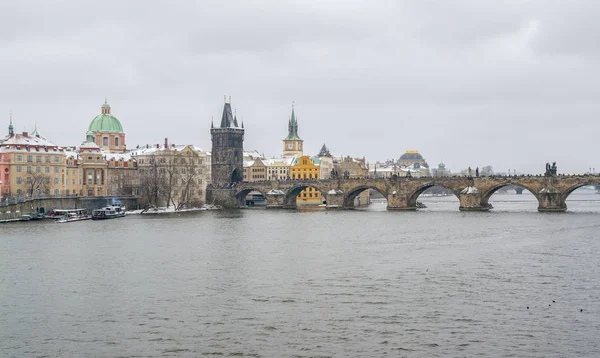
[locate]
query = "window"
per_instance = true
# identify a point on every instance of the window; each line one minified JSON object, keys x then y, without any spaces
{"x":19,"y":158}
{"x":38,"y":158}
{"x":56,"y":180}
{"x":116,"y":141}
{"x":105,"y":141}
{"x":19,"y":180}
{"x":30,"y":158}
{"x":48,"y":169}
{"x":38,"y":169}
{"x":56,"y":159}
{"x":56,"y":169}
{"x":19,"y":169}
{"x":47,"y":159}
{"x":56,"y":192}
{"x":28,"y":169}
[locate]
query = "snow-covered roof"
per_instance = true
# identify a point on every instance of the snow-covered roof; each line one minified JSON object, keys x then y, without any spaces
{"x":283,"y":161}
{"x":25,"y":139}
{"x":161,"y":149}
{"x":118,"y":156}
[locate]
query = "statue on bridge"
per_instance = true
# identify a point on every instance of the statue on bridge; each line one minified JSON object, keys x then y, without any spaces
{"x":551,"y":169}
{"x":477,"y":172}
{"x":470,"y":172}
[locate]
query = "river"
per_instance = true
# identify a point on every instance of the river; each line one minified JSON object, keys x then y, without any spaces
{"x":311,"y":283}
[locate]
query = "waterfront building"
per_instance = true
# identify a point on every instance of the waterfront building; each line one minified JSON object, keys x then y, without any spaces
{"x":325,"y":162}
{"x":170,"y":174}
{"x":107,"y":131}
{"x":255,"y":170}
{"x":355,"y":168}
{"x":292,"y":144}
{"x":303,"y":168}
{"x":31,"y":165}
{"x":279,"y":168}
{"x":93,"y":167}
{"x":122,"y":174}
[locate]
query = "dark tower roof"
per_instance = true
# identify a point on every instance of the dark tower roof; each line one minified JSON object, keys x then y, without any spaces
{"x":293,"y":127}
{"x":227,"y":121}
{"x":324,"y":152}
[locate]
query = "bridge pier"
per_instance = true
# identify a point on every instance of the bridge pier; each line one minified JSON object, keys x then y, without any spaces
{"x":225,"y":198}
{"x":275,"y":199}
{"x":551,"y":201}
{"x":471,"y":200}
{"x":398,"y":202}
{"x":335,"y":199}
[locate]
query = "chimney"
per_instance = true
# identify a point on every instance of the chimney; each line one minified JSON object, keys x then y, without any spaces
{"x":166,"y":143}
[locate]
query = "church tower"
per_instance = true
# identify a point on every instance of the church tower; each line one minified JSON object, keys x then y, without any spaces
{"x":227,"y":149}
{"x":292,"y":144}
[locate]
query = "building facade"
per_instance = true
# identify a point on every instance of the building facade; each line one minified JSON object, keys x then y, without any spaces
{"x":171,"y":175}
{"x":304,"y":169}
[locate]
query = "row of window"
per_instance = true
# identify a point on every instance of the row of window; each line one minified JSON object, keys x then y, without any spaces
{"x":105,"y":142}
{"x":37,"y":169}
{"x":29,"y":180}
{"x":38,"y":158}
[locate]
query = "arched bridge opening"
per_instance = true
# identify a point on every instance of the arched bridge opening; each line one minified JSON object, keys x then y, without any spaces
{"x":362,"y":196}
{"x":582,"y":197}
{"x":434,"y":196}
{"x":506,"y":197}
{"x":249,"y":197}
{"x":304,"y":195}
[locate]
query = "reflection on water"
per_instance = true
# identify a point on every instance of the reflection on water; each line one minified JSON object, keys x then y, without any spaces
{"x":280,"y":283}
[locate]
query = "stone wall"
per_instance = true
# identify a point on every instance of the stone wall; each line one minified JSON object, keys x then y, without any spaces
{"x":45,"y":205}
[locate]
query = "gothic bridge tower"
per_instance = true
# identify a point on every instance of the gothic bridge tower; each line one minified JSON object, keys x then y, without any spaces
{"x":227,"y":150}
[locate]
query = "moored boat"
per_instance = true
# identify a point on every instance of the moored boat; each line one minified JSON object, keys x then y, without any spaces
{"x":71,"y":215}
{"x":109,"y":212}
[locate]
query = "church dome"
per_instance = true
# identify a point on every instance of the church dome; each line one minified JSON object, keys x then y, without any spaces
{"x":105,"y":122}
{"x":411,"y":155}
{"x":441,"y":166}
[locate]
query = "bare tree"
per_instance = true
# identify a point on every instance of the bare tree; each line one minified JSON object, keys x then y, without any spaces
{"x":151,"y":179}
{"x":188,"y":177}
{"x":37,"y":181}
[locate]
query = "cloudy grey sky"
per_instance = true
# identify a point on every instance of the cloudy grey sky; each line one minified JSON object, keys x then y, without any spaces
{"x":512,"y":84}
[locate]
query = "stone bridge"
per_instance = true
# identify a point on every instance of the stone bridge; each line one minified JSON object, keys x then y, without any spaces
{"x":402,"y":193}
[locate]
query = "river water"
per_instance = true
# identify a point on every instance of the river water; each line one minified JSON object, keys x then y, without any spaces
{"x":261,"y":283}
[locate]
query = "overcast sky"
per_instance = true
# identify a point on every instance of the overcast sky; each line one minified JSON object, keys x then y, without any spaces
{"x":513,"y":84}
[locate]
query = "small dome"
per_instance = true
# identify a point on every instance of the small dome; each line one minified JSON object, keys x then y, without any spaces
{"x":441,"y":166}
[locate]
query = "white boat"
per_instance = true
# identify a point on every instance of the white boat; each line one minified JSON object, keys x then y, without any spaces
{"x":109,"y":212}
{"x":71,"y":215}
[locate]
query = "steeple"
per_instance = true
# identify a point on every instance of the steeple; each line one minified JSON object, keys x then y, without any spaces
{"x":11,"y":129}
{"x":235,"y":122}
{"x":293,"y":127}
{"x":227,"y":120}
{"x":324,"y":152}
{"x":35,"y":131}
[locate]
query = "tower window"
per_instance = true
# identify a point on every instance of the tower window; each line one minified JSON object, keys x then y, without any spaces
{"x":105,"y":141}
{"x":116,"y":141}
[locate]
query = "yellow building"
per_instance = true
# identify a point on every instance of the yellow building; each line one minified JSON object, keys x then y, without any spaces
{"x":31,"y":165}
{"x":304,"y":169}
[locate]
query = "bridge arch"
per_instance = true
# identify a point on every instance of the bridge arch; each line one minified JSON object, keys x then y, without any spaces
{"x":291,"y":196}
{"x":240,"y":196}
{"x":354,"y":192}
{"x":488,"y":194}
{"x":412,"y":198}
{"x":571,"y":189}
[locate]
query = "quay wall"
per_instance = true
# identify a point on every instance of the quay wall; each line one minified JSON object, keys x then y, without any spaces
{"x":14,"y":210}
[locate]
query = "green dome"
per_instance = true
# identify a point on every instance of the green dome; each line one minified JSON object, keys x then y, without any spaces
{"x":105,"y":123}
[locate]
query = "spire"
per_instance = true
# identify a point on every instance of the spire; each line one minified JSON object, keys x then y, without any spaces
{"x":11,"y":129}
{"x":235,"y":122}
{"x":35,"y":131}
{"x":227,"y":118}
{"x":293,"y":126}
{"x":212,"y":122}
{"x":105,"y":107}
{"x":324,"y":152}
